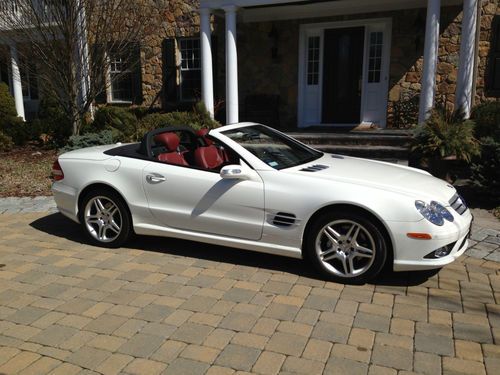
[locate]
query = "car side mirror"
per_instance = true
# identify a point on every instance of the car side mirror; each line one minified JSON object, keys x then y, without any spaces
{"x":234,"y":172}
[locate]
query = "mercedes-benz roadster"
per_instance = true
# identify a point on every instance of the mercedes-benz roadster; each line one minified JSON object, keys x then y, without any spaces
{"x":251,"y":187}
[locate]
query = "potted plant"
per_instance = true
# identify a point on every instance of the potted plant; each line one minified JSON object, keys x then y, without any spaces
{"x":443,"y":138}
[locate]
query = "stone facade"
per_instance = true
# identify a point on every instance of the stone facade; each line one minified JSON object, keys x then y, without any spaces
{"x":263,"y":70}
{"x":179,"y":19}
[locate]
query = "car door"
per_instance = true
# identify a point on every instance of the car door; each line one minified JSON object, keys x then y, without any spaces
{"x":199,"y":200}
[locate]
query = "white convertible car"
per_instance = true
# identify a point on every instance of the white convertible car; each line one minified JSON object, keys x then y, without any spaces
{"x":251,"y":187}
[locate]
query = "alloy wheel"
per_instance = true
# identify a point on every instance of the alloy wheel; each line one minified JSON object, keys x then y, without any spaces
{"x":103,"y":219}
{"x":345,"y":248}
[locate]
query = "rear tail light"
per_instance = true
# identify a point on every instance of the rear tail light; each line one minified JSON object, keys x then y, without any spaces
{"x":57,"y":172}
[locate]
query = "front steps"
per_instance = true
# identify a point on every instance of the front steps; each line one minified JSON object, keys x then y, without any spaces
{"x":386,"y":145}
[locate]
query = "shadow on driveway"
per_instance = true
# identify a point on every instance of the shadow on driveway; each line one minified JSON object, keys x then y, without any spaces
{"x":58,"y":225}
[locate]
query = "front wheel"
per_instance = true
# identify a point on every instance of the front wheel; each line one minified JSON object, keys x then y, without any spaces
{"x":346,"y":247}
{"x":105,"y":219}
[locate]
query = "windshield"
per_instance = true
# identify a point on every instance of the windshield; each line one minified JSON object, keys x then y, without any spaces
{"x":271,"y":147}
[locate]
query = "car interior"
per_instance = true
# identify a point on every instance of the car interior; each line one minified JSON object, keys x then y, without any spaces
{"x":181,"y":146}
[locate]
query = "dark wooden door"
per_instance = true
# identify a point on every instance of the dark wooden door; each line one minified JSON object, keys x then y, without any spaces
{"x":342,"y":74}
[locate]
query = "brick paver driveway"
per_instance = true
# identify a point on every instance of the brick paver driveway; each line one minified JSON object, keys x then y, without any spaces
{"x":177,"y":307}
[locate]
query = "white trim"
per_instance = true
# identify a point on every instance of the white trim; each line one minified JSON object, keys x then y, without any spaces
{"x":431,"y":51}
{"x":306,"y":30}
{"x":324,"y":9}
{"x":17,"y":87}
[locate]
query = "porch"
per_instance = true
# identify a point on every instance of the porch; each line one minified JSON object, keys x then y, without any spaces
{"x":338,"y":63}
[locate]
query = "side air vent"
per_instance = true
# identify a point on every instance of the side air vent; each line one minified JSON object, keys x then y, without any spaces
{"x":283,"y":219}
{"x":458,"y":204}
{"x":335,"y":156}
{"x":315,"y":168}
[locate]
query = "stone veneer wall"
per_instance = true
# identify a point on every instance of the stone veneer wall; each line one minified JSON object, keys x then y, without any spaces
{"x":179,"y":19}
{"x":261,"y":73}
{"x":490,"y":9}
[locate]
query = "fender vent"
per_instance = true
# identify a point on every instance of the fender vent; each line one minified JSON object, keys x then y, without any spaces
{"x":315,"y":168}
{"x":458,"y":204}
{"x":335,"y":156}
{"x":283,"y":219}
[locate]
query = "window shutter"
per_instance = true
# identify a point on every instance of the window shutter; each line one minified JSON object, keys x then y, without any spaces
{"x":137,"y":75}
{"x":493,"y":79}
{"x":98,"y":80}
{"x":215,"y":65}
{"x":169,"y":70}
{"x":4,"y":72}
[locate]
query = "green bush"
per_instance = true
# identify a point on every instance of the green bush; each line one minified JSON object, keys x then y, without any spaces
{"x":7,"y":103}
{"x":11,"y":125}
{"x":198,"y":118}
{"x":118,"y":118}
{"x":6,"y":143}
{"x":487,"y":118}
{"x":486,"y":169}
{"x":104,"y":137}
{"x":446,"y":134}
{"x":52,"y":122}
{"x":18,"y":130}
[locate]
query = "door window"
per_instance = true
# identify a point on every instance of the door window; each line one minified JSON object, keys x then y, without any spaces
{"x":375,"y":57}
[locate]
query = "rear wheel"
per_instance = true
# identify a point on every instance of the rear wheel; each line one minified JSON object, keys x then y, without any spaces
{"x":346,"y":247}
{"x":105,"y":218}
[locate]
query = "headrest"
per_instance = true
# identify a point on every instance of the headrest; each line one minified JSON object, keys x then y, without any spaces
{"x":202,"y":134}
{"x":169,"y":140}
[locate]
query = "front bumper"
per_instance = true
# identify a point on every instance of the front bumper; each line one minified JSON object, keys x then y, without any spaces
{"x":409,"y":253}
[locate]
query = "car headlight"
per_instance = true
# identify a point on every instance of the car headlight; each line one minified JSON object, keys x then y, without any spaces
{"x":434,"y":212}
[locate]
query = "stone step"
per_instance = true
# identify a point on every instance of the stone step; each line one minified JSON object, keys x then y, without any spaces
{"x":359,"y":138}
{"x":367,"y":151}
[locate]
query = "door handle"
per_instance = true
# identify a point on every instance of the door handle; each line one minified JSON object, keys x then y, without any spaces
{"x":155,"y":178}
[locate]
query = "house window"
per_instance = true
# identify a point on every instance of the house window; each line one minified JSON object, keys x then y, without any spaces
{"x":375,"y":57}
{"x":313,"y":60}
{"x":122,"y":78}
{"x":29,"y":81}
{"x":494,"y":72}
{"x":190,"y":70}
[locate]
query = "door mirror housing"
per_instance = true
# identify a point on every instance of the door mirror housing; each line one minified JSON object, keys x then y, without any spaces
{"x":234,"y":172}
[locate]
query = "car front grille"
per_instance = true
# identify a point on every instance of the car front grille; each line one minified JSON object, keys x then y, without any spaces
{"x":458,"y":204}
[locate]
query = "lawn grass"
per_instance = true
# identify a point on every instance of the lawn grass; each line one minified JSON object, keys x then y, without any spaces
{"x":25,"y":172}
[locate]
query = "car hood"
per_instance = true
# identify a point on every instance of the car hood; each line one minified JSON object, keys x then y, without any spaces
{"x":380,"y":175}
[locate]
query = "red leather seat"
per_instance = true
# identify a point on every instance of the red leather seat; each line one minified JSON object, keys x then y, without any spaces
{"x":171,"y":142}
{"x":209,"y":156}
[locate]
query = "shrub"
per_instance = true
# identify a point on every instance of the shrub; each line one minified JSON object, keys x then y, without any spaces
{"x":198,"y":118}
{"x":18,"y":130}
{"x":11,"y":125}
{"x":118,"y":118}
{"x":446,"y":134}
{"x":7,"y":103}
{"x":486,"y":169}
{"x":104,"y":137}
{"x":487,"y":118}
{"x":52,"y":121}
{"x":6,"y":143}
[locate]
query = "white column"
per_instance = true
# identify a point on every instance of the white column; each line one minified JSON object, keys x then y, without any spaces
{"x":232,"y":109}
{"x":430,"y":59}
{"x":16,"y":81}
{"x":82,"y":55}
{"x":463,"y":97}
{"x":207,"y":84}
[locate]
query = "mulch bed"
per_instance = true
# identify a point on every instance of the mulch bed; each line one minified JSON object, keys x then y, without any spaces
{"x":25,"y":172}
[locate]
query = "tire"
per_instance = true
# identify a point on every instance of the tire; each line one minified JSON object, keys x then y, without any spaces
{"x":105,"y":218}
{"x":346,"y":247}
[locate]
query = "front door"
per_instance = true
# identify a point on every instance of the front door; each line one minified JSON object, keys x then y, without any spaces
{"x":201,"y":201}
{"x":342,"y":75}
